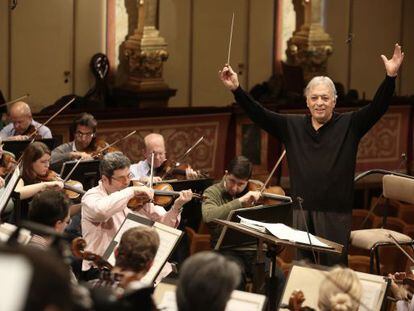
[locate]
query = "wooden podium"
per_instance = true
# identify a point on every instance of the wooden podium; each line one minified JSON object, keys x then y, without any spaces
{"x":273,"y":248}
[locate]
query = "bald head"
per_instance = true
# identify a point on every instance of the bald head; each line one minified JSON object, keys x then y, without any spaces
{"x":154,"y":143}
{"x":21,"y":109}
{"x":20,"y":116}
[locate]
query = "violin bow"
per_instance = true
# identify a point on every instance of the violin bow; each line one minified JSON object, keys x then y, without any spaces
{"x":230,"y":40}
{"x":394,"y":240}
{"x":15,"y":100}
{"x":273,"y":171}
{"x":190,"y":149}
{"x":151,"y":170}
{"x":117,"y":141}
{"x":72,"y":170}
{"x":51,"y":118}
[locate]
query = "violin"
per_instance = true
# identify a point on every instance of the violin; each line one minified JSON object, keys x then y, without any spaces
{"x":175,"y":170}
{"x":73,"y":188}
{"x":164,"y":194}
{"x":296,"y":300}
{"x":271,"y":195}
{"x":7,"y":165}
{"x":101,"y":147}
{"x":78,"y":249}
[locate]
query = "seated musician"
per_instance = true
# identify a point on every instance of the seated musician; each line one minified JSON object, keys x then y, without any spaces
{"x":49,"y":208}
{"x":124,"y":289}
{"x":230,"y":194}
{"x":341,"y":289}
{"x":206,"y":282}
{"x":35,"y":160}
{"x":83,"y":130}
{"x":104,"y":207}
{"x":22,"y":124}
{"x":154,"y":143}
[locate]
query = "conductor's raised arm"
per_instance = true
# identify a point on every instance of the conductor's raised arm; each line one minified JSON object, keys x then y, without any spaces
{"x":393,"y":65}
{"x":229,"y":77}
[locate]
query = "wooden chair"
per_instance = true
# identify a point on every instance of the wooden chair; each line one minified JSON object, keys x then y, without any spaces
{"x":198,"y":241}
{"x":396,"y":188}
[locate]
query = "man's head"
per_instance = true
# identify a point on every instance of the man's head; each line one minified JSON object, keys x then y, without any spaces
{"x":206,"y":282}
{"x":114,"y":169}
{"x":237,"y":175}
{"x":321,"y":99}
{"x":20,"y":116}
{"x":50,"y":208}
{"x":154,"y":143}
{"x":137,"y":249}
{"x":83,"y":130}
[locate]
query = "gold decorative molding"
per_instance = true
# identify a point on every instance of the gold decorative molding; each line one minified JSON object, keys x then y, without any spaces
{"x":310,"y":46}
{"x":146,"y":51}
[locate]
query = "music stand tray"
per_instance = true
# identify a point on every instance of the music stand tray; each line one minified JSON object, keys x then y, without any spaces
{"x":281,"y":213}
{"x":17,"y":147}
{"x":87,"y":172}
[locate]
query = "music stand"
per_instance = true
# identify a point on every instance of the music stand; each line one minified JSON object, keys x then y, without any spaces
{"x":17,"y":147}
{"x":87,"y":172}
{"x":9,"y":188}
{"x":281,"y":213}
{"x":169,"y":238}
{"x":272,"y":244}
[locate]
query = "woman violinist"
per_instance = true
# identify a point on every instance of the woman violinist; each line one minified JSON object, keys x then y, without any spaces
{"x":35,"y":161}
{"x":84,"y":145}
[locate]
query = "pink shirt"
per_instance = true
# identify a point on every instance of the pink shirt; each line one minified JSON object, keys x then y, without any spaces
{"x":103,"y":214}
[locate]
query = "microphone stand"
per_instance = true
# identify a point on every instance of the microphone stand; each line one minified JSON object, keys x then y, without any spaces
{"x":300,"y":201}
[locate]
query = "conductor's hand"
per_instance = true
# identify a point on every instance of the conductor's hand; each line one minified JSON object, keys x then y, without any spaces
{"x":393,"y":65}
{"x":250,"y":198}
{"x":185,"y":196}
{"x":229,"y":77}
{"x":144,"y":192}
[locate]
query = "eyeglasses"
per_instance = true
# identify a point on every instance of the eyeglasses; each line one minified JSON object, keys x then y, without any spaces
{"x":86,"y":135}
{"x":123,"y":178}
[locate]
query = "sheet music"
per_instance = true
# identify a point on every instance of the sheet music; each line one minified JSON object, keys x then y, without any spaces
{"x":283,"y":232}
{"x":309,"y":279}
{"x":238,"y":301}
{"x":168,"y":239}
{"x":16,"y":274}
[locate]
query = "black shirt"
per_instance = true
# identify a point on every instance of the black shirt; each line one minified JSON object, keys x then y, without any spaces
{"x":321,"y":162}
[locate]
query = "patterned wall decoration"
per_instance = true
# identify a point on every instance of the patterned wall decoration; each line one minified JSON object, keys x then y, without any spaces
{"x":179,"y":134}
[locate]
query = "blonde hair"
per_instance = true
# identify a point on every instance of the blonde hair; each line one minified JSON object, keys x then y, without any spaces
{"x":341,"y":290}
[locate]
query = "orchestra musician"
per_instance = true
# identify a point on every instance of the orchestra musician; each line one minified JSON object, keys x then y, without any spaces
{"x":229,"y":194}
{"x":83,"y":130}
{"x":104,"y":207}
{"x":154,"y":143}
{"x":22,"y":124}
{"x":35,"y":161}
{"x":321,"y":151}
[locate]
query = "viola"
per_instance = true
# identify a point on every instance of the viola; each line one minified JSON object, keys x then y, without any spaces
{"x":78,"y":249}
{"x":271,"y":195}
{"x":164,"y":194}
{"x":73,"y":188}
